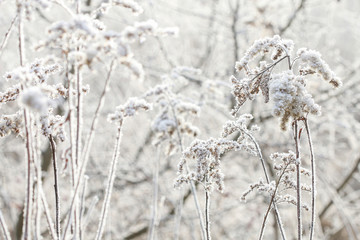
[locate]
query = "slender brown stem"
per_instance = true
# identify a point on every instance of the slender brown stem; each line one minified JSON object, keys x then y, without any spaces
{"x":56,"y":187}
{"x":298,"y":178}
{"x":313,"y":180}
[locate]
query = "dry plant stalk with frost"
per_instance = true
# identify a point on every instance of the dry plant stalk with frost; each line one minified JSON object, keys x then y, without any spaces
{"x":170,"y":126}
{"x":291,"y":101}
{"x":82,"y":42}
{"x":121,"y":113}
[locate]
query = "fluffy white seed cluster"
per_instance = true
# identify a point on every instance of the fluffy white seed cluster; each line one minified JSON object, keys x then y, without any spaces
{"x":290,"y":98}
{"x":140,"y":30}
{"x":130,"y":4}
{"x":34,"y":93}
{"x":311,"y":60}
{"x":280,"y":47}
{"x":287,"y":90}
{"x":130,"y":108}
{"x":34,"y":73}
{"x":11,"y":94}
{"x":53,"y":125}
{"x":207,"y":156}
{"x":11,"y":123}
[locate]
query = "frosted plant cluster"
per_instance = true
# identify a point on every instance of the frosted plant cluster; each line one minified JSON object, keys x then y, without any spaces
{"x":287,"y":89}
{"x":207,"y":155}
{"x":128,"y":109}
{"x":46,"y":103}
{"x":175,"y":115}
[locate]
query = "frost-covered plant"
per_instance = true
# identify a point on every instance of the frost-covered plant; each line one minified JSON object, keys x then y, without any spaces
{"x":287,"y":89}
{"x":207,"y":170}
{"x":291,"y":101}
{"x":174,"y":118}
{"x":207,"y":154}
{"x":171,"y":125}
{"x":280,"y":190}
{"x":129,"y":109}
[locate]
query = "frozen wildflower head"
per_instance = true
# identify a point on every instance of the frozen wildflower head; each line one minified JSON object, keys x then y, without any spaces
{"x":11,"y":123}
{"x":135,"y":67}
{"x":286,"y":89}
{"x":279,"y":47}
{"x":207,"y":155}
{"x":132,"y":106}
{"x":11,"y":94}
{"x":290,"y":97}
{"x":53,"y":125}
{"x":34,"y":73}
{"x":174,"y":117}
{"x":311,"y":62}
{"x":130,"y":4}
{"x":140,"y":30}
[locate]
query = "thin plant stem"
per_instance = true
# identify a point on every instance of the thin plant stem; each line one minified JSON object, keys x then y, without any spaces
{"x":56,"y":187}
{"x":71,"y":124}
{"x":78,"y":141}
{"x":38,"y":174}
{"x":110,"y":184}
{"x":7,"y":34}
{"x":82,"y":206}
{"x":313,"y":179}
{"x":277,"y":214}
{"x":27,"y":122}
{"x":4,"y":227}
{"x":178,"y":218}
{"x":298,"y":179}
{"x":47,"y":214}
{"x":155,"y":197}
{"x":79,"y":115}
{"x":86,"y":150}
{"x":90,"y":137}
{"x":207,"y":215}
